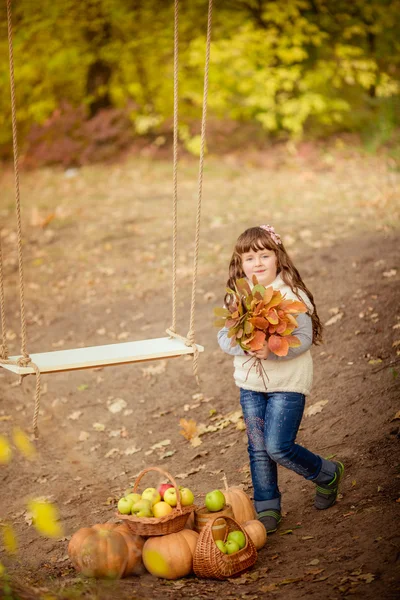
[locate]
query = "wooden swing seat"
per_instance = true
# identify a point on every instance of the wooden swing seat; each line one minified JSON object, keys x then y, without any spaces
{"x":104,"y":356}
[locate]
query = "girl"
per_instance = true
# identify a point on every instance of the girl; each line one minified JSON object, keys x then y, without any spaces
{"x":273,"y":415}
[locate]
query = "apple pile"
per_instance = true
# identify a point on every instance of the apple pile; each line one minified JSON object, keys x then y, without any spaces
{"x":235,"y":541}
{"x":154,"y":502}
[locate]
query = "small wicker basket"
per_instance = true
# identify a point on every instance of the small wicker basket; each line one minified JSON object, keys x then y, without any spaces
{"x":210,"y":562}
{"x":150,"y":526}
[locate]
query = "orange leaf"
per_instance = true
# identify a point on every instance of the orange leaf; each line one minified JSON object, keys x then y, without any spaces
{"x":290,"y":319}
{"x":259,"y":322}
{"x":293,"y":306}
{"x":281,"y":327}
{"x":268,"y":295}
{"x":257,"y":342}
{"x":272,"y":317}
{"x":189,"y":428}
{"x":293,"y":341}
{"x":278,"y":345}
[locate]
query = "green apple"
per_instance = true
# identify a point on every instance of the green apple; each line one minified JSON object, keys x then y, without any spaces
{"x":231,"y":547}
{"x":134,"y":497}
{"x":187,"y":497}
{"x":221,"y":546}
{"x":125,"y":506}
{"x":238,"y":537}
{"x":142,"y":508}
{"x":152,"y":495}
{"x":170,"y":496}
{"x":215,"y":501}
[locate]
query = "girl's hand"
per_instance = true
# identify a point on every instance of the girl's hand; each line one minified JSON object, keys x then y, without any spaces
{"x":263,"y":353}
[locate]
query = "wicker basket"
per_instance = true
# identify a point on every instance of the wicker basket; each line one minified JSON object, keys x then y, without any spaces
{"x":150,"y":526}
{"x":210,"y":562}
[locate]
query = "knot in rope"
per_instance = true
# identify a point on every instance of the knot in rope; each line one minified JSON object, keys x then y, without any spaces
{"x":24,"y":361}
{"x":3,"y":351}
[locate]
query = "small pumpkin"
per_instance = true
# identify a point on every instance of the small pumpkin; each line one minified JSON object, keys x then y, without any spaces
{"x":170,"y":556}
{"x":257,"y":532}
{"x":135,"y":544}
{"x":242,"y":506}
{"x":105,"y":550}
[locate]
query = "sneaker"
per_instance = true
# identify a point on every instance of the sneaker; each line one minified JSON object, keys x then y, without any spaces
{"x":326,"y":493}
{"x":270,"y":519}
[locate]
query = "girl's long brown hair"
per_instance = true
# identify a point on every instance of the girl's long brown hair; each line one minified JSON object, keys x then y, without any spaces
{"x":256,"y":238}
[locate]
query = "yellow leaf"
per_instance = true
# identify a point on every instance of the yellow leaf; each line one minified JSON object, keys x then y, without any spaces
{"x":2,"y":569}
{"x":45,"y":518}
{"x":195,"y":441}
{"x":189,"y":428}
{"x":24,"y":444}
{"x":9,"y":539}
{"x":5,"y":450}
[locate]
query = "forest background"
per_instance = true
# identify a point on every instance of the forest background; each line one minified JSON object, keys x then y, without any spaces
{"x":95,"y":77}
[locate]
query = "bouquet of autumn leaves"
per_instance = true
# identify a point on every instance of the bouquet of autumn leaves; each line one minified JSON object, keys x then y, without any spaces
{"x":260,"y":314}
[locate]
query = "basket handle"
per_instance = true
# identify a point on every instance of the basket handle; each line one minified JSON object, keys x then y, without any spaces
{"x":166,"y":474}
{"x":226,"y":518}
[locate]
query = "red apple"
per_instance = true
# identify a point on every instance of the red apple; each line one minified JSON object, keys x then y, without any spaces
{"x":163,"y":488}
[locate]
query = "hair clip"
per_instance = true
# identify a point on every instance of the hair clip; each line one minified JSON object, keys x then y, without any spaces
{"x":275,"y":236}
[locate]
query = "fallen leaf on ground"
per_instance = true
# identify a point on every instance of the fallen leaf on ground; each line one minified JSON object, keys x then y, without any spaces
{"x":152,"y":370}
{"x":118,"y":405}
{"x":168,"y":454}
{"x":82,"y":387}
{"x":74,"y":416}
{"x":131,"y":450}
{"x":111,"y":452}
{"x":390,"y":273}
{"x":334,"y":319}
{"x":98,"y":426}
{"x":189,"y":428}
{"x":315,"y":408}
{"x":157,"y":446}
{"x":83,"y":436}
{"x":191,"y":472}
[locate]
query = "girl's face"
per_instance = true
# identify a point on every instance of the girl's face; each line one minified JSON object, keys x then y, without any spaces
{"x":262,"y":264}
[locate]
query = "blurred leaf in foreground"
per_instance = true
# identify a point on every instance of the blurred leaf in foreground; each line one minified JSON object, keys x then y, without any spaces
{"x":45,"y":518}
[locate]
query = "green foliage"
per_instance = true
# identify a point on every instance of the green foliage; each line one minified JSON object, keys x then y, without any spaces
{"x":294,"y":67}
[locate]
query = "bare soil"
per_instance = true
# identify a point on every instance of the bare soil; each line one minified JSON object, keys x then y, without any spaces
{"x":97,"y":269}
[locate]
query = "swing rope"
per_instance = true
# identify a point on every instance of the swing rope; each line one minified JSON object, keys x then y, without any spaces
{"x":190,"y":338}
{"x":175,"y":167}
{"x":25,"y":359}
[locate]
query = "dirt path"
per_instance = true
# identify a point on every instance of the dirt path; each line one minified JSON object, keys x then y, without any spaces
{"x":96,"y":280}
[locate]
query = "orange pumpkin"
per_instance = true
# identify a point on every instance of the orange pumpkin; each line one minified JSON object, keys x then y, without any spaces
{"x":105,"y":550}
{"x":257,"y":533}
{"x":170,"y":556}
{"x":135,"y":545}
{"x":242,"y":506}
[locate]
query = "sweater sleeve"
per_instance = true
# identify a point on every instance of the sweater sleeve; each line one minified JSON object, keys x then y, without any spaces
{"x":225,"y":343}
{"x":305,"y":334}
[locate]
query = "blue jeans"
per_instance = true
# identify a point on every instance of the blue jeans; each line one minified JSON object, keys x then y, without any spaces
{"x":272,"y":422}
